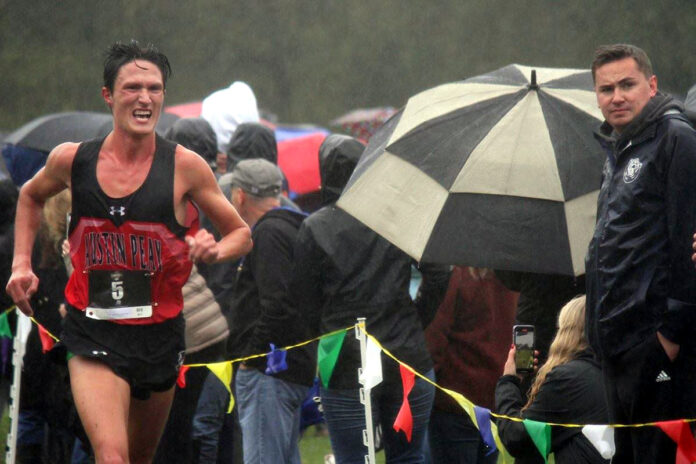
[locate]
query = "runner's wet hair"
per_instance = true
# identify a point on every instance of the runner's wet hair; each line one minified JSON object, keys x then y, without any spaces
{"x":120,"y":54}
{"x":610,"y":53}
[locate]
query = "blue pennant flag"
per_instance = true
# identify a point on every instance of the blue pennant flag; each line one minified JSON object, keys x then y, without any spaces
{"x":483,"y":417}
{"x":276,"y":361}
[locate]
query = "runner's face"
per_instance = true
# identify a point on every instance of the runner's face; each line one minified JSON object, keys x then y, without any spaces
{"x":137,"y":98}
{"x":622,"y":91}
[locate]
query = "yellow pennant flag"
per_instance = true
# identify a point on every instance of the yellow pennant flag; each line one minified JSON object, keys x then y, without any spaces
{"x":223,"y":371}
{"x":466,"y":405}
{"x":503,"y":455}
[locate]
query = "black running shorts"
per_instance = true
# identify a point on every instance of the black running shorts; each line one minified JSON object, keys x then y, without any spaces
{"x":148,"y":357}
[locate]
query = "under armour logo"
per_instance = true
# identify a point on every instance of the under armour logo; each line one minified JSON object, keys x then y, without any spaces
{"x":121,"y":210}
{"x":662,"y":377}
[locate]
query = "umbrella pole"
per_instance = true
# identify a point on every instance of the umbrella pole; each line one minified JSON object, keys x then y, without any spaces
{"x":365,"y":397}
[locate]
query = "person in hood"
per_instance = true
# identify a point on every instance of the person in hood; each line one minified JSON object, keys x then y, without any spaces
{"x":641,"y":286}
{"x":252,"y":140}
{"x":226,"y":109}
{"x":343,"y":271}
{"x":197,"y":135}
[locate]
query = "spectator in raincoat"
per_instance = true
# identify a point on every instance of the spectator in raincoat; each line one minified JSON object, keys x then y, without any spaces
{"x":343,"y":271}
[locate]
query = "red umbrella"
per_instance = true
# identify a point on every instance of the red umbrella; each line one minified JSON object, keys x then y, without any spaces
{"x":363,"y":122}
{"x":186,"y":110}
{"x":298,"y":158}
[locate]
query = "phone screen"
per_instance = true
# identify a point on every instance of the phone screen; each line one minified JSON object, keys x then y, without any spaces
{"x":523,"y":338}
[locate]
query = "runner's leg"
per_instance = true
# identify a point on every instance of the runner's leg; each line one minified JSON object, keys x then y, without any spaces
{"x":102,"y":401}
{"x":146,"y":423}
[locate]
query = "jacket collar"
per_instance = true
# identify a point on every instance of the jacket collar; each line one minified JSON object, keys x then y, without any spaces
{"x":643,"y":127}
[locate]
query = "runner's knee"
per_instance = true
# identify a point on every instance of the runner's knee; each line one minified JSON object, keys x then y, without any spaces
{"x":110,"y":453}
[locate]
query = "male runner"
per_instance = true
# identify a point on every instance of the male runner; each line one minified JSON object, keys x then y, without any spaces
{"x":132,"y":242}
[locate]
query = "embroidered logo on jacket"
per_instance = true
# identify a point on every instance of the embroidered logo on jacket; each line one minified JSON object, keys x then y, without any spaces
{"x":632,"y":170}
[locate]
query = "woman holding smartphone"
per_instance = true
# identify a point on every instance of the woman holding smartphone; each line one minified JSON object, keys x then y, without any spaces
{"x":567,"y":389}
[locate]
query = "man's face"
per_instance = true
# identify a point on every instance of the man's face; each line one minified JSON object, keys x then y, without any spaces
{"x":622,"y":91}
{"x":221,"y":160}
{"x":137,"y":98}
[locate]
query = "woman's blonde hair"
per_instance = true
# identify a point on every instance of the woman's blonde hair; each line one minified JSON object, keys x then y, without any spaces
{"x":569,"y":341}
{"x":53,"y":227}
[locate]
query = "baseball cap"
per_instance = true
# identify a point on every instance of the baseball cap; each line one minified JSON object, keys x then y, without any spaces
{"x":258,"y":177}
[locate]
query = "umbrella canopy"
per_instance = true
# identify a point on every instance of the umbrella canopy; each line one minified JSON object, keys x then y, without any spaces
{"x":498,"y":171}
{"x":26,"y":148}
{"x":362,"y":123}
{"x":47,"y":132}
{"x":186,"y":110}
{"x":298,"y":158}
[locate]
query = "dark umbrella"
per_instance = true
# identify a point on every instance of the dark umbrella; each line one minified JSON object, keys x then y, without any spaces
{"x":165,"y":122}
{"x":498,"y":171}
{"x":46,"y":132}
{"x":25,"y":149}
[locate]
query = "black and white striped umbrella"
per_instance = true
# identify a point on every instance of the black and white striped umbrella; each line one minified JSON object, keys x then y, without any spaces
{"x":499,"y":171}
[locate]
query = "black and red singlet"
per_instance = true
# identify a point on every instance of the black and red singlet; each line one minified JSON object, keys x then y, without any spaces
{"x":137,"y":235}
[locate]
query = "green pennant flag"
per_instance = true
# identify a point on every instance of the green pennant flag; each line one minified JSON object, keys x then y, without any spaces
{"x":329,"y":347}
{"x":540,"y":432}
{"x":5,"y":326}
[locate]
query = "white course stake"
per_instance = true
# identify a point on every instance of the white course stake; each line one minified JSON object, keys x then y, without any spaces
{"x":19,"y":346}
{"x":365,"y":397}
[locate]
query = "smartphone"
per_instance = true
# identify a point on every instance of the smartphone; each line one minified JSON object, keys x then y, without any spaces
{"x":523,"y":338}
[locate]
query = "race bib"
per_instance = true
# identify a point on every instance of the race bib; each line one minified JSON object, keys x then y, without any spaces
{"x":119,"y":294}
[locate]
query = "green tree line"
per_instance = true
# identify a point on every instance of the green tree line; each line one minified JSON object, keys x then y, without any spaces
{"x":313,"y":60}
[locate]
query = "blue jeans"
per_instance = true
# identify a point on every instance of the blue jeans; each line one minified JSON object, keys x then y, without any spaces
{"x":455,"y":439}
{"x":345,"y":417}
{"x":269,"y":415}
{"x":209,"y":417}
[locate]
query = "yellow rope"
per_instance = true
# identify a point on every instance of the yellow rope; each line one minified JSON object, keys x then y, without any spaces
{"x":361,"y":325}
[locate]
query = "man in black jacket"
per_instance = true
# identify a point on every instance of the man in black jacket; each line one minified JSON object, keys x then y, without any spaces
{"x":641,"y":286}
{"x":269,"y":391}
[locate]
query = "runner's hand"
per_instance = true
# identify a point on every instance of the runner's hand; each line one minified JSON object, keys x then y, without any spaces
{"x":202,"y":247}
{"x":21,"y":287}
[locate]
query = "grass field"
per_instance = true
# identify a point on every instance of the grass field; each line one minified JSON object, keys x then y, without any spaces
{"x":314,"y":447}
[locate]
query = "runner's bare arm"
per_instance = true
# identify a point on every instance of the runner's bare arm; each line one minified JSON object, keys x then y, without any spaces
{"x":199,"y":185}
{"x":51,"y":179}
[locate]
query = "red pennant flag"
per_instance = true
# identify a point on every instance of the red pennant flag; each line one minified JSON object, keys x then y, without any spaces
{"x":181,"y":379}
{"x":680,"y":432}
{"x":47,"y":341}
{"x":404,"y":420}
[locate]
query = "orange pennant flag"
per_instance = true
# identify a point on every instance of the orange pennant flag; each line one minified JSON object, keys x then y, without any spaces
{"x":181,"y":379}
{"x":47,"y":341}
{"x":680,"y":432}
{"x":404,"y":420}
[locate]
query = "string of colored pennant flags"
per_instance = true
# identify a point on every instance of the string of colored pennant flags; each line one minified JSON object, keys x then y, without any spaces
{"x":600,"y":435}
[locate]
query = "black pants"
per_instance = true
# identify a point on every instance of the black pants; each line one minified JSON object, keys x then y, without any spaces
{"x":643,"y":385}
